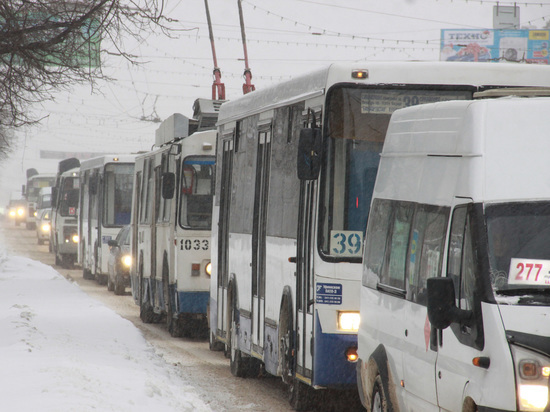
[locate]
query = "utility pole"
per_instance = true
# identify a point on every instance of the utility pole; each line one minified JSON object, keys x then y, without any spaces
{"x":247,"y":86}
{"x":218,"y":88}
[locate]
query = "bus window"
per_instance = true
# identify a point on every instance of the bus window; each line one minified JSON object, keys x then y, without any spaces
{"x":196,"y":192}
{"x":357,"y":120}
{"x":117,"y":197}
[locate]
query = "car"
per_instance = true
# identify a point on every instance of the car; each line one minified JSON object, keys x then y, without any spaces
{"x":120,"y":260}
{"x":17,"y":210}
{"x":43,"y":225}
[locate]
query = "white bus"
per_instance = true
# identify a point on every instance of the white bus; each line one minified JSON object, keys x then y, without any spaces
{"x":287,"y":251}
{"x":64,"y":218}
{"x":35,"y":182}
{"x":171,"y":222}
{"x":456,"y":283}
{"x":106,"y":187}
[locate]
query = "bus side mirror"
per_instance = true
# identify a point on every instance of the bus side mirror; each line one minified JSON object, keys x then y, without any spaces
{"x":309,"y":154}
{"x":168,"y":185}
{"x":441,"y":301}
{"x":442,"y":310}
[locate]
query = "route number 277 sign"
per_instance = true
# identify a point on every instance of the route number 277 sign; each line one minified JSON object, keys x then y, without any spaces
{"x":529,"y":272}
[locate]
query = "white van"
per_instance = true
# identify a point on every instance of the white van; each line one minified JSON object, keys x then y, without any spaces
{"x":455,"y":297}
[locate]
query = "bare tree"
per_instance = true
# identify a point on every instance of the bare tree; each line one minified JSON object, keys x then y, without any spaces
{"x":49,"y":45}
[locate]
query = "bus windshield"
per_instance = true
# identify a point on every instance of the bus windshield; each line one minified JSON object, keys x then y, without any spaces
{"x":356,"y":122}
{"x":68,"y":198}
{"x":518,"y":235}
{"x":117,"y":197}
{"x":196,"y":192}
{"x":37,"y":183}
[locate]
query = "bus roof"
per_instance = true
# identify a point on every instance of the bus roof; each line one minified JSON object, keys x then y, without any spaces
{"x":478,"y":75}
{"x":103,"y":160}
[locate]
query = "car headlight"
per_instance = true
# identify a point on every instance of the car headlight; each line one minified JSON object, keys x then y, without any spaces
{"x":348,"y":321}
{"x":12,"y":213}
{"x":208,"y":268}
{"x":532,"y":372}
{"x":127,"y":260}
{"x":20,"y":211}
{"x":75,"y":238}
{"x":45,"y":227}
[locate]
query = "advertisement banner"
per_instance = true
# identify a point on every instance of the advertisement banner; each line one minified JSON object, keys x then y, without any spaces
{"x":488,"y":45}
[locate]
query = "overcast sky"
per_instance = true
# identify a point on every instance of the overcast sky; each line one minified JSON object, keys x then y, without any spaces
{"x":285,"y":38}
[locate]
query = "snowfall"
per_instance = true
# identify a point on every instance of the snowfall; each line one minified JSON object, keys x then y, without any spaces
{"x":61,"y":350}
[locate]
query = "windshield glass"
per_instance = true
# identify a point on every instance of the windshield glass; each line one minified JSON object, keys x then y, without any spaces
{"x":357,"y":120}
{"x":37,"y":183}
{"x":68,"y":197}
{"x":196,"y":192}
{"x":118,"y":187}
{"x":519,"y":250}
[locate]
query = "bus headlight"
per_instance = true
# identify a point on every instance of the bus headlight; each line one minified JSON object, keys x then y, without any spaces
{"x":127,"y":260}
{"x":532,"y":372}
{"x":208,"y":268}
{"x":348,"y":321}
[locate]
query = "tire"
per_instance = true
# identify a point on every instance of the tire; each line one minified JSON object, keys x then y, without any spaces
{"x":146,"y":313}
{"x":110,"y":286}
{"x":173,"y":323}
{"x":87,"y":274}
{"x":119,"y":286}
{"x":67,"y":261}
{"x":57,"y":259}
{"x":214,"y":345}
{"x":237,"y":362}
{"x":300,"y":395}
{"x":379,"y":400}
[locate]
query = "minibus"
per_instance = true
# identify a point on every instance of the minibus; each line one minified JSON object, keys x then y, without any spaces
{"x":455,"y":296}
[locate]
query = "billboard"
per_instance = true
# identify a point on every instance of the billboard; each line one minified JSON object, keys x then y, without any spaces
{"x":489,"y":45}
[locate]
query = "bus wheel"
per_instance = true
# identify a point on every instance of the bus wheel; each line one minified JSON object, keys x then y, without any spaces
{"x":87,"y":274}
{"x":173,"y":323}
{"x":119,"y":286}
{"x":110,"y":285}
{"x":379,"y":400}
{"x":237,"y":362}
{"x":299,"y":395}
{"x":214,"y":345}
{"x":146,"y":313}
{"x":67,"y":261}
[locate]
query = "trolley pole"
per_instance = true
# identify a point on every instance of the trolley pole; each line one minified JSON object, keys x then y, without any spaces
{"x":218,"y":88}
{"x":247,"y":86}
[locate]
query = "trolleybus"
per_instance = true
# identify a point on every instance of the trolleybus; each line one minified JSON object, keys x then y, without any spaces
{"x":64,"y":216}
{"x":171,"y":221}
{"x":296,"y":165}
{"x":106,"y":186}
{"x":35,"y":182}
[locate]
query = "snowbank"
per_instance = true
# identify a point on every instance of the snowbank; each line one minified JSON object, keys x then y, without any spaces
{"x":60,"y":350}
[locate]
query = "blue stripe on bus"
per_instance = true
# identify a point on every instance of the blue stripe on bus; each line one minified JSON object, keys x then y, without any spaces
{"x":330,"y":366}
{"x":193,"y":302}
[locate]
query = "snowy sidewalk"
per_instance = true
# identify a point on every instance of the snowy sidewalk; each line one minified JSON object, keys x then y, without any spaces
{"x":60,"y":350}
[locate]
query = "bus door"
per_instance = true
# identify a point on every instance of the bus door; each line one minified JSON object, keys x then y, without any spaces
{"x":259,"y":233}
{"x":223,"y":234}
{"x":154,"y":221}
{"x":304,"y":281}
